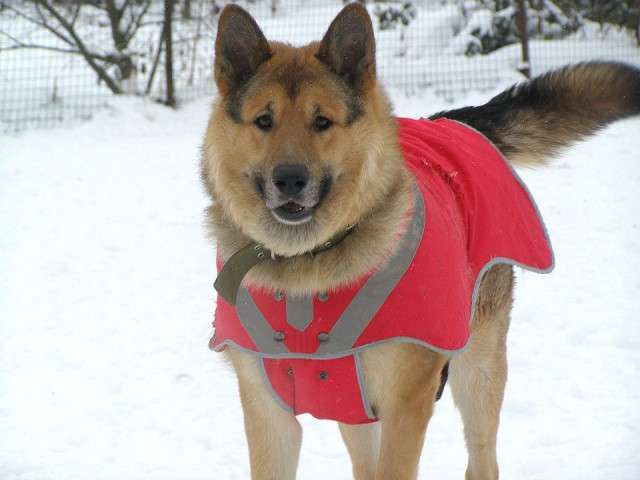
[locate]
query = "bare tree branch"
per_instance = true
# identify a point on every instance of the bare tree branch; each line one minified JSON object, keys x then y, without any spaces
{"x":126,"y":5}
{"x":156,"y":60}
{"x":75,"y":14}
{"x":133,"y":27}
{"x":19,"y":44}
{"x":125,"y":20}
{"x":41,"y":23}
{"x":100,"y":71}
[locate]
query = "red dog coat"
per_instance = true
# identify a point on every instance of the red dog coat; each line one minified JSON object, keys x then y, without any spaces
{"x":471,"y":211}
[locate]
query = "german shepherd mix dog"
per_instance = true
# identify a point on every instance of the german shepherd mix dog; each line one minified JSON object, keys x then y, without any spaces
{"x":314,"y":194}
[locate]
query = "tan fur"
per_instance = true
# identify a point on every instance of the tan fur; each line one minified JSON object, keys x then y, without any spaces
{"x":478,"y":375}
{"x":363,"y":445}
{"x":372,"y":189}
{"x":274,"y":436}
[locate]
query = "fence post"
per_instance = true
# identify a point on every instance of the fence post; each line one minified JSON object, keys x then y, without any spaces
{"x":521,"y":19}
{"x":168,"y":43}
{"x":156,"y":61}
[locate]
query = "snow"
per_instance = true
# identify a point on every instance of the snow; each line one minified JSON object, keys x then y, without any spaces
{"x":106,"y":301}
{"x":481,"y":23}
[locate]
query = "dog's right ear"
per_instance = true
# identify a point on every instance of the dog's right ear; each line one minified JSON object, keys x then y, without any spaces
{"x":240,"y":48}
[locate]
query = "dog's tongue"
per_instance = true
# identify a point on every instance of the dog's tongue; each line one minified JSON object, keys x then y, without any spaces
{"x":292,"y":207}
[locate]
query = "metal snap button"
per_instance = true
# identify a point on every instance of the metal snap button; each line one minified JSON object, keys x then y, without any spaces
{"x":324,"y":375}
{"x":289,"y":371}
{"x":323,"y":296}
{"x":278,"y":336}
{"x":278,"y":295}
{"x":323,"y":337}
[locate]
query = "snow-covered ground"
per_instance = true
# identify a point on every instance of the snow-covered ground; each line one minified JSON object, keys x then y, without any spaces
{"x":106,"y":300}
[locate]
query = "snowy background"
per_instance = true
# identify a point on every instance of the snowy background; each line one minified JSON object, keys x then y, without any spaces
{"x":433,"y":52}
{"x":106,"y":301}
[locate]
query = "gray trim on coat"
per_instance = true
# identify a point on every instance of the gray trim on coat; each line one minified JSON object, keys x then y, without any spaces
{"x":256,"y":326}
{"x":265,"y":379}
{"x":362,"y":309}
{"x":299,"y":311}
{"x":330,"y":356}
{"x":363,"y":391}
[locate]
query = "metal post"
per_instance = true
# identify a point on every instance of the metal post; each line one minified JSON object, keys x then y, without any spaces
{"x":168,"y":43}
{"x":521,"y":19}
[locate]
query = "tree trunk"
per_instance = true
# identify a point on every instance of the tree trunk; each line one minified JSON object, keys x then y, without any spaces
{"x":186,"y":10}
{"x":124,"y":62}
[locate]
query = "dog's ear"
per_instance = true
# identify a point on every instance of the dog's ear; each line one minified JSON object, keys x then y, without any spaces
{"x":349,"y":46}
{"x":240,"y":48}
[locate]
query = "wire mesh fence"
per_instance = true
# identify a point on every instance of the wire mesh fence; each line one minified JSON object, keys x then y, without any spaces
{"x":41,"y":85}
{"x":65,"y":59}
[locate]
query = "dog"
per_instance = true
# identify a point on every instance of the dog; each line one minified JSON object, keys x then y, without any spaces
{"x":314,"y":194}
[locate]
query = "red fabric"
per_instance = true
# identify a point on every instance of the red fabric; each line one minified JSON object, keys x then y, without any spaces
{"x":328,"y":389}
{"x":476,"y":212}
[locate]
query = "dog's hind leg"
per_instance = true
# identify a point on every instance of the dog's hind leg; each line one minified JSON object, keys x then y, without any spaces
{"x":363,"y":444}
{"x":477,"y":376}
{"x":273,"y":434}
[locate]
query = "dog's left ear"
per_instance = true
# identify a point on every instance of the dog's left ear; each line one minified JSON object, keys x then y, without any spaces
{"x":349,"y":47}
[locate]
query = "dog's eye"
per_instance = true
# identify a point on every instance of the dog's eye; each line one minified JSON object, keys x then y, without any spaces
{"x":264,"y":122}
{"x":321,"y":123}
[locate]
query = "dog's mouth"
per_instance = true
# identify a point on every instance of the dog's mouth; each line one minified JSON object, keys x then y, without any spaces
{"x":295,"y":209}
{"x":292,"y":213}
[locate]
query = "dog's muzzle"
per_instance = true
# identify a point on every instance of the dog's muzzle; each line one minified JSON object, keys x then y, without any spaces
{"x":291,"y":195}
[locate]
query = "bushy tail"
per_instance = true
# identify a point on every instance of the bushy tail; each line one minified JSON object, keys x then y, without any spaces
{"x":534,"y":120}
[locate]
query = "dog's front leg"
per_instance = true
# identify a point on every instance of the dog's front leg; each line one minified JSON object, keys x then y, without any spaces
{"x":363,"y":444}
{"x":402,"y":381}
{"x":274,"y":435}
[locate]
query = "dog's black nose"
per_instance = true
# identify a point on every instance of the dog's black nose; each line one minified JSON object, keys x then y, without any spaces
{"x":290,"y":179}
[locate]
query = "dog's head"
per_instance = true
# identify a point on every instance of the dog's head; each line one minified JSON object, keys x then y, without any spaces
{"x":301,"y":142}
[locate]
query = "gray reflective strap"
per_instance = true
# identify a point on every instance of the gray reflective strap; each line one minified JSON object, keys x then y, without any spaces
{"x":265,"y":379}
{"x":256,"y":325}
{"x":363,"y":389}
{"x":299,"y":311}
{"x":375,"y":291}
